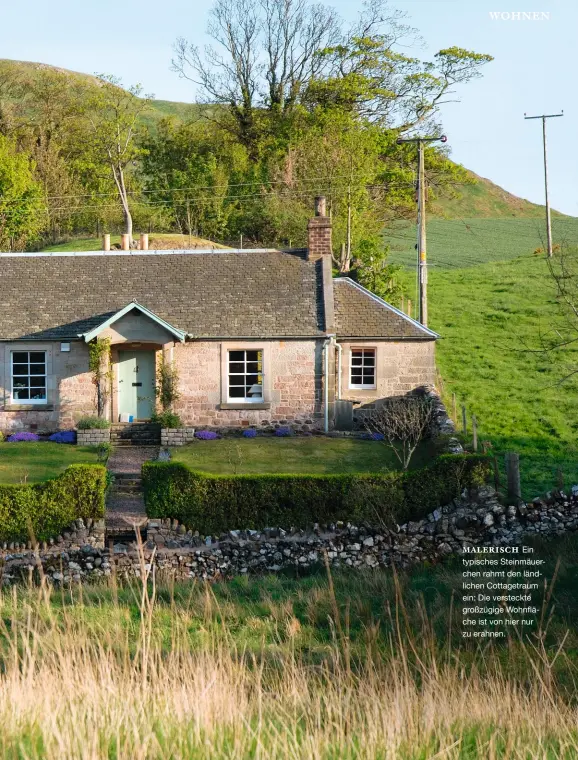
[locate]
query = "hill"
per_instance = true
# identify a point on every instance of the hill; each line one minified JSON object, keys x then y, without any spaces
{"x":481,"y":199}
{"x":160,"y":109}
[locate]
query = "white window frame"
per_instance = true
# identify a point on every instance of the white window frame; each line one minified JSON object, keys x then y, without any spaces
{"x":363,"y":386}
{"x":244,"y":399}
{"x":28,"y":401}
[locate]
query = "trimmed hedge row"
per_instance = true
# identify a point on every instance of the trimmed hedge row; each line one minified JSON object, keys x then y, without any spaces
{"x":212,"y":504}
{"x":45,"y":509}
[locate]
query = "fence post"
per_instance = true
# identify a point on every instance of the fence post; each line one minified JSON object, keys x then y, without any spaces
{"x":464,"y":420}
{"x":106,"y":242}
{"x":455,"y":407}
{"x":475,"y":431}
{"x":513,"y":476}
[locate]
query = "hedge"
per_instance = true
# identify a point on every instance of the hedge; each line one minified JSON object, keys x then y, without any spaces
{"x":47,"y":508}
{"x":213,"y":504}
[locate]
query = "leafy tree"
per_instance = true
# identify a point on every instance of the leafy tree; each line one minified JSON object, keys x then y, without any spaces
{"x":112,"y":116}
{"x":20,"y":198}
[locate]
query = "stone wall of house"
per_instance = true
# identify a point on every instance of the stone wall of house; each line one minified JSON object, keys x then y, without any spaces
{"x":476,"y":519}
{"x":292,"y":385}
{"x":401,"y":367}
{"x":70,"y":391}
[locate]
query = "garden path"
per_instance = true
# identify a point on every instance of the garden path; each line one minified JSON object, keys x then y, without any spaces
{"x":125,"y":503}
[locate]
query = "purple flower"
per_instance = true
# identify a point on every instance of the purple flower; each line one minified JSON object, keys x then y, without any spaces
{"x":250,"y":433}
{"x":17,"y":437}
{"x":374,"y":437}
{"x":63,"y":436}
{"x":206,"y":435}
{"x":282,"y":432}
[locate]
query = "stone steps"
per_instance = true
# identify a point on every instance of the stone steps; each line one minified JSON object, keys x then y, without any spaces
{"x":135,"y":434}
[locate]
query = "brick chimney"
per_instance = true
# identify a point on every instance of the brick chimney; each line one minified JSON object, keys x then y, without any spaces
{"x":319,"y":233}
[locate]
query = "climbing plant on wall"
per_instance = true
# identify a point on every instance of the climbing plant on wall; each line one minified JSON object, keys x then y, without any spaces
{"x":100,"y":366}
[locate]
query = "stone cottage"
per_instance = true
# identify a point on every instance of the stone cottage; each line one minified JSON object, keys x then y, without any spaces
{"x":259,"y":337}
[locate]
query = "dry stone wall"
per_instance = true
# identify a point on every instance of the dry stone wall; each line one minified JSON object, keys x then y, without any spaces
{"x":175,"y":552}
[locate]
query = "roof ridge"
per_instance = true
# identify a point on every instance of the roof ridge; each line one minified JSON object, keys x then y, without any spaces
{"x":136,"y":252}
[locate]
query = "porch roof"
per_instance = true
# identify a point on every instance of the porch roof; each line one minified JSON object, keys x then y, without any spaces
{"x":133,"y":306}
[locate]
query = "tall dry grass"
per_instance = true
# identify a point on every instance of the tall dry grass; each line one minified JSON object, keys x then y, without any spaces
{"x":73,"y":688}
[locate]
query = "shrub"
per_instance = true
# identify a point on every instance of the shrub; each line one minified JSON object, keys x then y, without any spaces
{"x":282,"y":432}
{"x":1,"y":436}
{"x":92,"y":423}
{"x":63,"y":436}
{"x":45,"y":509}
{"x":250,"y":433}
{"x":216,"y":503}
{"x":167,"y":419}
{"x":206,"y":435}
{"x":22,"y":436}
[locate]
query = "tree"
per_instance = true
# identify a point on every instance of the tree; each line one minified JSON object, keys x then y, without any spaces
{"x":402,"y":423}
{"x":112,"y":115}
{"x":21,"y":209}
{"x":271,"y":56}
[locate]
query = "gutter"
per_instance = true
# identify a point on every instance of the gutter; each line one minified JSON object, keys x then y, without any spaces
{"x":339,"y":348}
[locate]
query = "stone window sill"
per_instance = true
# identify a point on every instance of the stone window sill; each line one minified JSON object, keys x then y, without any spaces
{"x":264,"y":405}
{"x":29,"y":407}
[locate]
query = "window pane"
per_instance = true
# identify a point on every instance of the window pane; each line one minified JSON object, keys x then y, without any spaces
{"x":20,"y":369}
{"x":236,"y":367}
{"x":20,"y":356}
{"x":252,"y":379}
{"x":236,"y":356}
{"x":369,"y":359}
{"x":356,"y":379}
{"x":369,"y":378}
{"x":253,"y":366}
{"x":236,"y":379}
{"x":37,"y":393}
{"x":37,"y":356}
{"x":21,"y":395}
{"x":37,"y":369}
{"x":235,"y":392}
{"x":255,"y":391}
{"x":356,"y":361}
{"x":253,"y":356}
{"x":38,"y":382}
{"x":20,"y":382}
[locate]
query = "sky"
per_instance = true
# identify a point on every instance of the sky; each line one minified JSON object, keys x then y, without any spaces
{"x":534,"y":70}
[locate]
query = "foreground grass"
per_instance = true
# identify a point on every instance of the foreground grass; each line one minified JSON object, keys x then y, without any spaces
{"x":313,"y":454}
{"x":365,"y":666}
{"x":30,"y":462}
{"x":490,"y":318}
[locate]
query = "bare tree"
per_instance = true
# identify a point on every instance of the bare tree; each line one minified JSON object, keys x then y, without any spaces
{"x":403,"y":422}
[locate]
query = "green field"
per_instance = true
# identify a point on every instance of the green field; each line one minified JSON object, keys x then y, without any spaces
{"x":30,"y":462}
{"x":469,"y":242}
{"x":489,"y":318}
{"x":292,"y":455}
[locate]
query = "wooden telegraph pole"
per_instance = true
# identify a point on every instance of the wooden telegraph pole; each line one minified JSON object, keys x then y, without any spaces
{"x":548,"y":219}
{"x":421,"y":236}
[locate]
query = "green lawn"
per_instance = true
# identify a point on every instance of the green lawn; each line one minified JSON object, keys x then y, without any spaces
{"x":34,"y":462}
{"x":488,"y":317}
{"x":292,"y":455}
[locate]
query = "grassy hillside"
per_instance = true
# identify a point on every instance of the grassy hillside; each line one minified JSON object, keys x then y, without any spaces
{"x":468,"y":241}
{"x":484,"y":199}
{"x":489,"y":318}
{"x":160,"y":109}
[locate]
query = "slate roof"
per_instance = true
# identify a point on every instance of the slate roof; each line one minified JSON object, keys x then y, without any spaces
{"x":361,"y":314}
{"x":218,"y":294}
{"x":213,"y":295}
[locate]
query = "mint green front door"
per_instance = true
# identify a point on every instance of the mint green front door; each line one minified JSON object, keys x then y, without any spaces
{"x":136,"y":383}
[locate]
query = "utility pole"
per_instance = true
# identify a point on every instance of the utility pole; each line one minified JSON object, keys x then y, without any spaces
{"x":548,"y":219}
{"x":421,"y":236}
